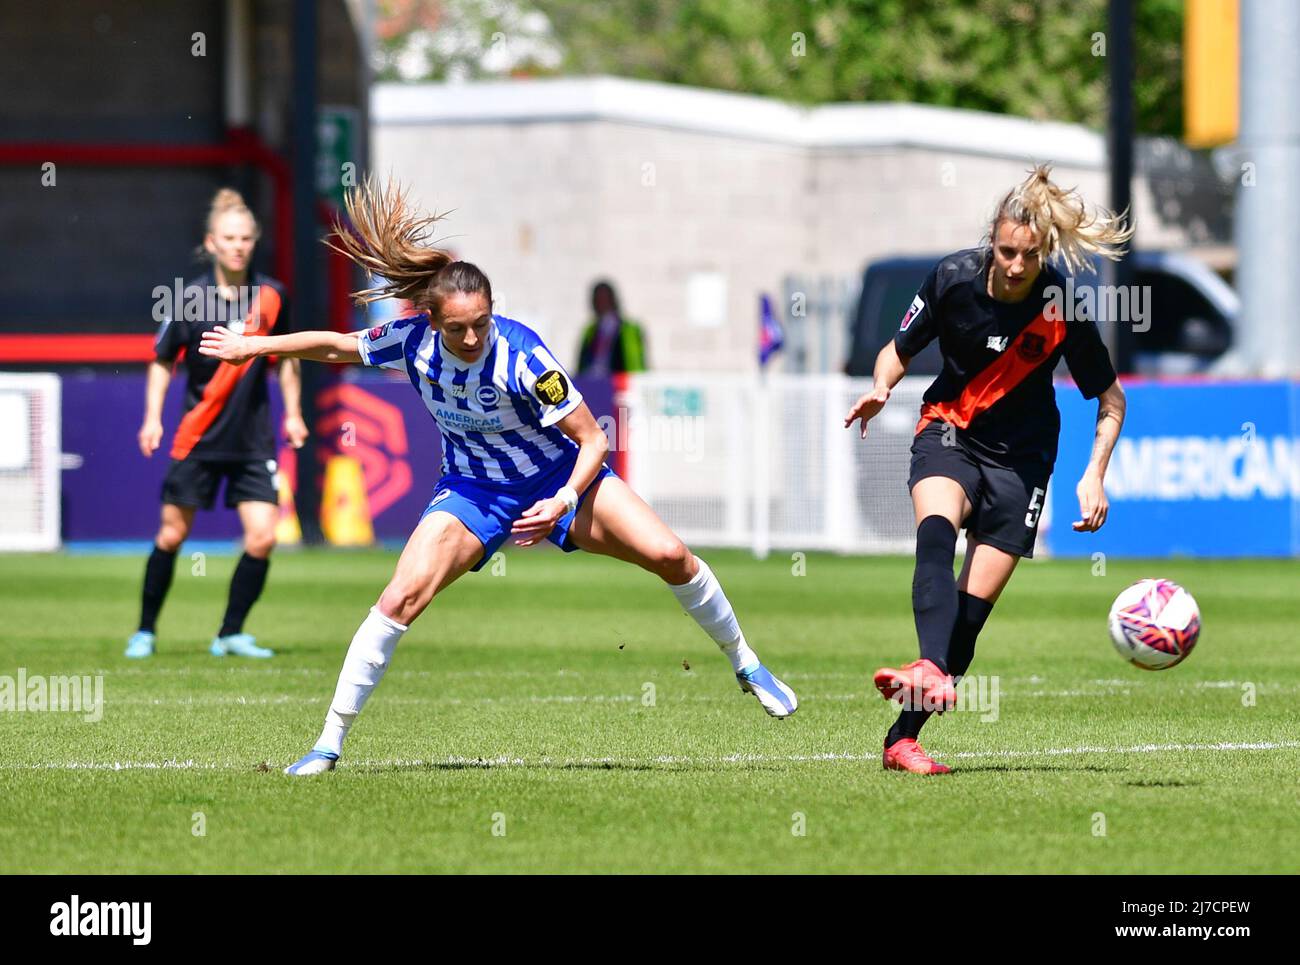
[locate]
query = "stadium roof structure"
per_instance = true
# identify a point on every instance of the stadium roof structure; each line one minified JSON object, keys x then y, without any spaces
{"x":729,"y":114}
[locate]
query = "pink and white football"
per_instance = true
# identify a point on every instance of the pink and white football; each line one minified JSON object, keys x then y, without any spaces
{"x":1154,"y":624}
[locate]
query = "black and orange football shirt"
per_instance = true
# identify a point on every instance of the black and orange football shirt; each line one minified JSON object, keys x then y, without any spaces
{"x":227,"y":407}
{"x":996,"y":383}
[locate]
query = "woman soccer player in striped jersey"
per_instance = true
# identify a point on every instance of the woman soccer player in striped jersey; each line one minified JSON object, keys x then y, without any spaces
{"x":986,"y":442}
{"x":523,"y":457}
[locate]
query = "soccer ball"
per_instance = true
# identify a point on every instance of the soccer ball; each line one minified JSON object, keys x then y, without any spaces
{"x":1154,"y":624}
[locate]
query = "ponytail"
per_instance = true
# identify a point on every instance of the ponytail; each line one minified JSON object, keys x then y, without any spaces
{"x":390,"y":238}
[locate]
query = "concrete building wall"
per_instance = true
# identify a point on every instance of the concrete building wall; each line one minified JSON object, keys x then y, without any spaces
{"x":557,"y":183}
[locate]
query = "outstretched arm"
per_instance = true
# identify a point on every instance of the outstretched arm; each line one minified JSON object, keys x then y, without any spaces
{"x":224,"y":344}
{"x":890,"y":369}
{"x":1093,"y":505}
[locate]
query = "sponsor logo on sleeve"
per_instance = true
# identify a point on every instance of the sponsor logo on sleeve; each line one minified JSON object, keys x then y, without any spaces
{"x":913,"y":310}
{"x":377,"y":332}
{"x":552,"y":387}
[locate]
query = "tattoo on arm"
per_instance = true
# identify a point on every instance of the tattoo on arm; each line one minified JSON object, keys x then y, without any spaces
{"x":1110,"y":418}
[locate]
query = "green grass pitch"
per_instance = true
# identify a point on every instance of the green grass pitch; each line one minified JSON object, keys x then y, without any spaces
{"x":545,"y":720}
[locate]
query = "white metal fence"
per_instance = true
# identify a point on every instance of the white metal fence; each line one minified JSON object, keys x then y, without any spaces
{"x":30,"y":435}
{"x":764,"y":462}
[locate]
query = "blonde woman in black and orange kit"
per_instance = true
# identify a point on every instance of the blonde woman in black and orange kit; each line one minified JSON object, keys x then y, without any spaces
{"x":986,"y":442}
{"x":226,"y":431}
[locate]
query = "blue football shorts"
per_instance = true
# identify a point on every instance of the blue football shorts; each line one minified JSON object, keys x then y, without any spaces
{"x":488,"y":508}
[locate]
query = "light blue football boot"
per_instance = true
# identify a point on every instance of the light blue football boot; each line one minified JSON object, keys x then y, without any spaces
{"x":777,"y":699}
{"x":314,"y":762}
{"x":140,"y":645}
{"x":239,"y":645}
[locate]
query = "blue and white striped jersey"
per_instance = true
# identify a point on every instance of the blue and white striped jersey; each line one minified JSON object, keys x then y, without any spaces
{"x":497,"y":415}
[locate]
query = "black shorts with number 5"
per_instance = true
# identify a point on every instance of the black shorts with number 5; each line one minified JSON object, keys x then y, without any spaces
{"x":1006,"y":503}
{"x":193,"y":482}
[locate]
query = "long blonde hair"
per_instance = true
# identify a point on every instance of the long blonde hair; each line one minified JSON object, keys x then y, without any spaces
{"x":1062,"y":222}
{"x":389,"y":237}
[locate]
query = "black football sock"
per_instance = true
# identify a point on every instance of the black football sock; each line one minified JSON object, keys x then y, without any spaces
{"x":245,"y":587}
{"x":157,"y":581}
{"x":972,"y":611}
{"x":934,"y":588}
{"x":909,"y":724}
{"x":934,"y":604}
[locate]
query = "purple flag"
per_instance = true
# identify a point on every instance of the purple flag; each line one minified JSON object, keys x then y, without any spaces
{"x":771,"y":337}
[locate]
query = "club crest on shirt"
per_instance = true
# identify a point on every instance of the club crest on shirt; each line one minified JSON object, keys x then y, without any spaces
{"x":998,"y":343}
{"x":488,"y":396}
{"x":913,"y":310}
{"x":1031,"y":347}
{"x":552,"y":388}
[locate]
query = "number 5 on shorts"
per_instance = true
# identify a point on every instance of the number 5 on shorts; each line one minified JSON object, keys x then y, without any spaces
{"x":1035,"y":507}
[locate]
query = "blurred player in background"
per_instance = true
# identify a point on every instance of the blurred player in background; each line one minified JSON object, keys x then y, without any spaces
{"x":523,"y":456}
{"x":987,"y":439}
{"x":226,"y":431}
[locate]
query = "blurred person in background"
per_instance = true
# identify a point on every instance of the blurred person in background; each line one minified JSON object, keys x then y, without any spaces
{"x":611,"y":344}
{"x":226,"y":431}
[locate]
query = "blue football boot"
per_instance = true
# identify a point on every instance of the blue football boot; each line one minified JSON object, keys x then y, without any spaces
{"x":239,"y":645}
{"x":314,"y":762}
{"x":777,"y":699}
{"x":140,"y":645}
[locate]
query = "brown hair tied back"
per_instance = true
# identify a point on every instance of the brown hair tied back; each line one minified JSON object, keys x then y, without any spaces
{"x":390,"y":238}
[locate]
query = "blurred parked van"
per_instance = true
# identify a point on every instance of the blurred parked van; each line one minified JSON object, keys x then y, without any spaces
{"x":1192,"y":312}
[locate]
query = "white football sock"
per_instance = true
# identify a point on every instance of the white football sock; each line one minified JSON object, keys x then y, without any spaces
{"x":368,"y":657}
{"x":704,"y":600}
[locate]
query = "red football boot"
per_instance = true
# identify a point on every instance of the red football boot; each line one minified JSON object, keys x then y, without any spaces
{"x":908,"y":755}
{"x":919,"y":685}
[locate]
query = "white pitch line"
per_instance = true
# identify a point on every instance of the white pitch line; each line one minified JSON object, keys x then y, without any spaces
{"x":869,"y":697}
{"x":126,"y":766}
{"x":1137,"y":749}
{"x":486,"y":763}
